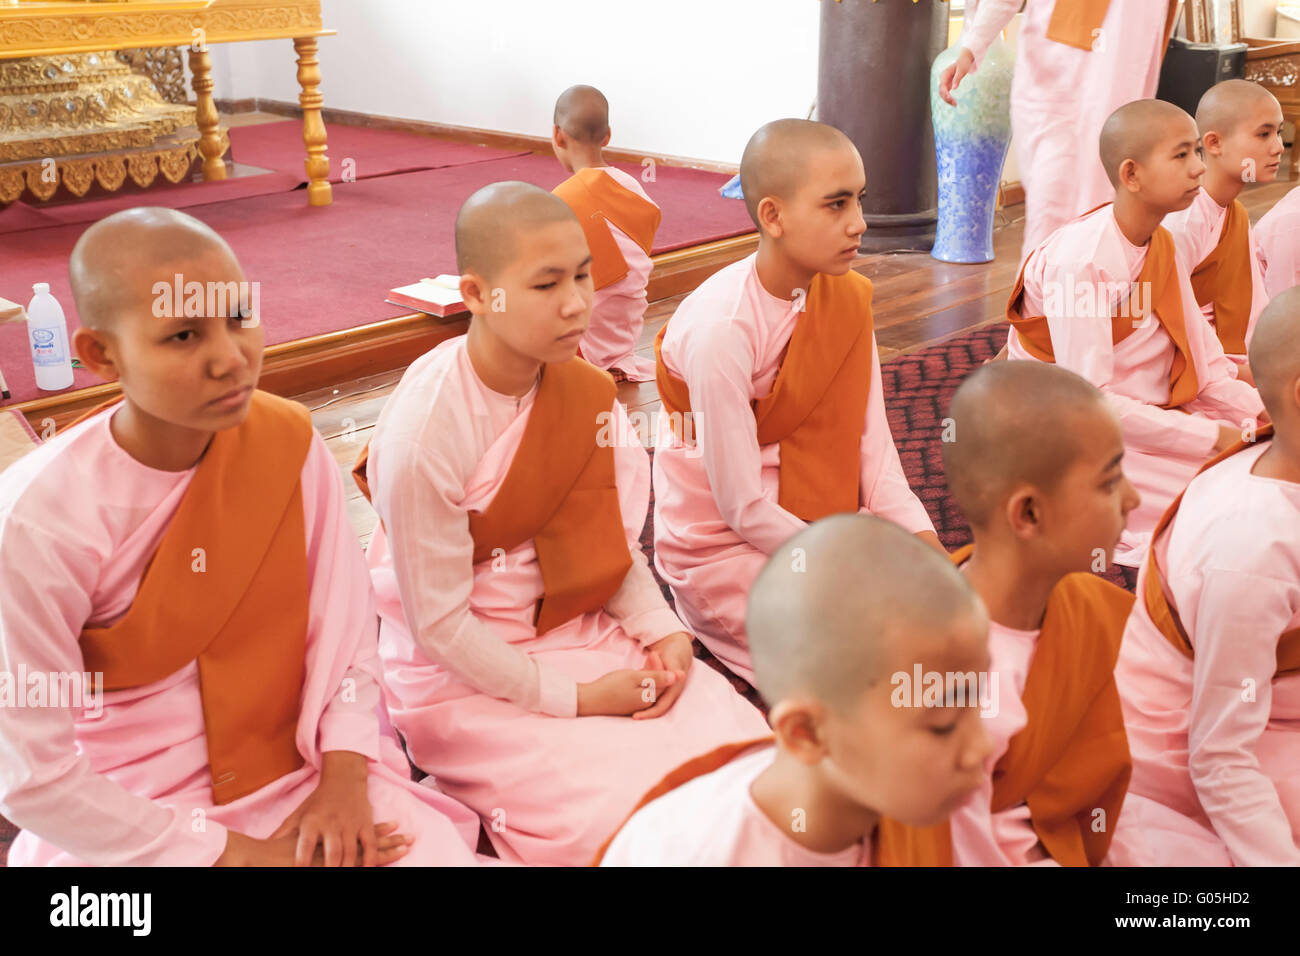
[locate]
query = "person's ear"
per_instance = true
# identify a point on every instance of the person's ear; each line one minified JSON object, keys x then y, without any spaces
{"x":558,"y":139}
{"x":769,"y":216}
{"x":475,"y":292}
{"x":1129,"y":175}
{"x":1024,"y":512}
{"x":1212,"y":143}
{"x":799,"y":728}
{"x":95,"y":350}
{"x":605,"y":142}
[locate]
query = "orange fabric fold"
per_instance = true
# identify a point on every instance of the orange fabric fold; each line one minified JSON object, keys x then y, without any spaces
{"x":1072,"y":757}
{"x":228,"y":587}
{"x":1224,"y":278}
{"x":1161,"y":609}
{"x":894,"y":844}
{"x":599,"y":200}
{"x":818,"y":402}
{"x":1076,"y":22}
{"x":561,"y":493}
{"x":1159,"y":278}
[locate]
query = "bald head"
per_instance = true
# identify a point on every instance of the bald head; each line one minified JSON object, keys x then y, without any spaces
{"x":490,"y":222}
{"x":1134,"y":131}
{"x":583,"y":113}
{"x":1230,"y":103}
{"x":1012,"y":424}
{"x":837,"y":604}
{"x":1275,"y":354}
{"x":776,"y":158}
{"x":116,"y":261}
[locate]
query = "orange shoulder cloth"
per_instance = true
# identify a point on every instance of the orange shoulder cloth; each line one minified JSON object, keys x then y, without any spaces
{"x":894,"y":845}
{"x":599,"y":199}
{"x":1077,"y":23}
{"x":818,"y":401}
{"x":1156,"y":291}
{"x":1072,"y":758}
{"x":560,"y":492}
{"x":228,"y":587}
{"x":1071,"y":762}
{"x":1160,"y":607}
{"x":1224,"y":278}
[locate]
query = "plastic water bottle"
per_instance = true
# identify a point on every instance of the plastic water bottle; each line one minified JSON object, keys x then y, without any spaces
{"x":47,"y":330}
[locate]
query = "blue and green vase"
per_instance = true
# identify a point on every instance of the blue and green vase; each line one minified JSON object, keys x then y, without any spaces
{"x":970,"y":142}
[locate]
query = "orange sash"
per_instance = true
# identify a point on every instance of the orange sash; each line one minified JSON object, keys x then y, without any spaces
{"x":894,"y":844}
{"x":560,"y":492}
{"x":818,"y":401}
{"x":599,"y":199}
{"x":1160,"y":276}
{"x":1155,"y":594}
{"x":1076,"y":22}
{"x":242,"y":612}
{"x":1224,"y":278}
{"x":1072,"y":757}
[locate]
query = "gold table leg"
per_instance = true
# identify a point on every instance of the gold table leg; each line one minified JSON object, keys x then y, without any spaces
{"x":319,"y":191}
{"x":209,"y":122}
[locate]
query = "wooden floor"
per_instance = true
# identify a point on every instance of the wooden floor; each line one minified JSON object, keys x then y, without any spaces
{"x":918,"y":302}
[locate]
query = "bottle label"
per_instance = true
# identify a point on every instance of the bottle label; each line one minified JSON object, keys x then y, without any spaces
{"x":49,"y":347}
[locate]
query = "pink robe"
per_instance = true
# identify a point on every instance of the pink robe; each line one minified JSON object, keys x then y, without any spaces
{"x":1216,"y":739}
{"x":1196,"y":231}
{"x":979,"y":836}
{"x":714,"y":821}
{"x":1277,"y":240}
{"x":1061,"y":96}
{"x":716,"y":512}
{"x":79,"y":521}
{"x":618,"y":312}
{"x":1163,"y":448}
{"x":485,"y":704}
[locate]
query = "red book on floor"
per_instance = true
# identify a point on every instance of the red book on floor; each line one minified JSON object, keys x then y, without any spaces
{"x":440,"y":296}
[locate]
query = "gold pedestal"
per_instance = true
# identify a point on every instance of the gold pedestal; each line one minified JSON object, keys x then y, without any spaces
{"x":75,"y":119}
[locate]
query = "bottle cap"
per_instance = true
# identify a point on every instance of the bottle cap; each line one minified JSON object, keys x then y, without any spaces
{"x":41,"y":287}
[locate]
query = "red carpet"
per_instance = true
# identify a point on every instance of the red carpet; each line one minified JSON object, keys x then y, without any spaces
{"x":372,"y":152}
{"x":918,"y":388}
{"x":327,"y":269}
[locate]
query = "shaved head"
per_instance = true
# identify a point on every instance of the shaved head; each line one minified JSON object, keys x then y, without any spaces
{"x":836,"y":604}
{"x":489,"y":223}
{"x":117,"y":260}
{"x":1012,"y":424}
{"x":1134,"y":131}
{"x":1275,"y":353}
{"x":583,"y":113}
{"x":776,"y":158}
{"x":1227,"y":104}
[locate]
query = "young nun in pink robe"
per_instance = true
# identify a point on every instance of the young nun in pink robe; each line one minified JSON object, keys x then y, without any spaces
{"x":1241,"y":137}
{"x":1277,"y":241}
{"x":580,"y":133}
{"x":1214,"y":719}
{"x":1068,"y":79}
{"x":1035,"y":468}
{"x":718,"y":510}
{"x":1145,"y":345}
{"x":127,"y":781}
{"x":551,"y":733}
{"x":856,"y":772}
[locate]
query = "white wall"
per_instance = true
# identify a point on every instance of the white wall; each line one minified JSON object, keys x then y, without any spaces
{"x":694,"y":78}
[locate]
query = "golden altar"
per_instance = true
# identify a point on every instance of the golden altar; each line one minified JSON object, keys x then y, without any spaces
{"x":43,"y":28}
